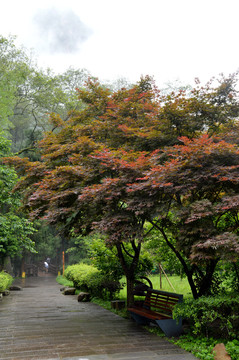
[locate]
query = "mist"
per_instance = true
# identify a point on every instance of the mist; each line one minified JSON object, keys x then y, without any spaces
{"x":59,"y":31}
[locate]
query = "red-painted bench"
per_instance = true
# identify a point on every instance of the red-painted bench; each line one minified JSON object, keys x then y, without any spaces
{"x":157,"y":308}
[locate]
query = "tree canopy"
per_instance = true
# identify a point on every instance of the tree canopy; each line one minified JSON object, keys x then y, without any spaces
{"x":134,"y":156}
{"x":15,"y":229}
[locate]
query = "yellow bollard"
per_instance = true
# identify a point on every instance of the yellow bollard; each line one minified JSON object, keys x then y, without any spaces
{"x":59,"y":273}
{"x":23,"y":274}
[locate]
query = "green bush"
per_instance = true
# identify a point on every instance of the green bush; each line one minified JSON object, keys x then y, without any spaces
{"x":105,"y":258}
{"x":211,"y":316}
{"x":89,"y":278}
{"x":5,"y":281}
{"x":233,"y":349}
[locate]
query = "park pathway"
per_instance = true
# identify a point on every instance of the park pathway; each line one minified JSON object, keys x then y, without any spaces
{"x":41,"y":323}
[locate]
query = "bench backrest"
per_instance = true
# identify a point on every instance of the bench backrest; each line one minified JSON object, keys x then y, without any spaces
{"x":161,"y":301}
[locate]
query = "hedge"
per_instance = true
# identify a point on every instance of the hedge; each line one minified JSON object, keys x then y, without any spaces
{"x":5,"y":281}
{"x":89,"y":278}
{"x":211,"y":316}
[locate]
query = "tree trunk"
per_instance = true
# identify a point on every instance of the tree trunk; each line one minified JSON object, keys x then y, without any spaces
{"x":129,"y":270}
{"x":130,"y":289}
{"x":206,"y":282}
{"x":7,"y":265}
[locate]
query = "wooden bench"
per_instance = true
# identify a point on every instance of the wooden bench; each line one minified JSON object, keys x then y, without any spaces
{"x":157,"y":308}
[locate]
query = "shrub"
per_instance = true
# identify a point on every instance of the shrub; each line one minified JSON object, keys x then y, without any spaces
{"x":105,"y":258}
{"x":211,"y":316}
{"x":89,"y":278}
{"x":233,"y":349}
{"x":5,"y":281}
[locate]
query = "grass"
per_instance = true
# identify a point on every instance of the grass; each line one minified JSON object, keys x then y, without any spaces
{"x":63,"y":281}
{"x":175,"y":284}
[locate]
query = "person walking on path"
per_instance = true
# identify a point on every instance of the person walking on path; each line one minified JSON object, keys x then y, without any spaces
{"x":46,"y":265}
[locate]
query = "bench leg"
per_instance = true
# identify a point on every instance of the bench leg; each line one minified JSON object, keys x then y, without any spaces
{"x":170,"y":327}
{"x":140,"y":319}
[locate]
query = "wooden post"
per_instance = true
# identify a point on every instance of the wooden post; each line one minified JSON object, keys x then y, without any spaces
{"x":160,"y":276}
{"x":63,"y":262}
{"x":160,"y":266}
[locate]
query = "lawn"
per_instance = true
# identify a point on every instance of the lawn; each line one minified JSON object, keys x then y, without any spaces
{"x":173,"y":284}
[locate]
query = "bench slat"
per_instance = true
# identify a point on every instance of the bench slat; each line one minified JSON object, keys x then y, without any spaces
{"x":149,"y":313}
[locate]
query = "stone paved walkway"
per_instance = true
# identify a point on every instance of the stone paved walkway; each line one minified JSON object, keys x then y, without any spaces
{"x":41,"y":323}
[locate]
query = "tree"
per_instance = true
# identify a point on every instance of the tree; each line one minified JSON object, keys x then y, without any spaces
{"x":69,"y":165}
{"x":185,"y":192}
{"x":105,"y":169}
{"x":15,"y":230}
{"x":28,"y":95}
{"x":191,"y":195}
{"x":41,"y":94}
{"x":13,"y":68}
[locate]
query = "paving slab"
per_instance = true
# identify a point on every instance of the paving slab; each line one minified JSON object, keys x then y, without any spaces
{"x":40,"y":323}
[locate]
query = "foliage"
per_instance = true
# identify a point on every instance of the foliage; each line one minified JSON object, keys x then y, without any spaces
{"x":78,"y":248}
{"x":5,"y":281}
{"x":47,"y":241}
{"x":89,"y":278}
{"x":106,"y":168}
{"x":105,"y":257}
{"x":230,"y":275}
{"x":15,"y":230}
{"x":201,"y":347}
{"x":233,"y":349}
{"x":15,"y":234}
{"x":41,"y":94}
{"x":160,"y":252}
{"x":211,"y":316}
{"x":12,"y":71}
{"x":193,"y":189}
{"x":28,"y":95}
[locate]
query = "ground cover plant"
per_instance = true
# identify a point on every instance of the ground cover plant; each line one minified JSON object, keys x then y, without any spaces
{"x":202,"y":347}
{"x":63,"y":281}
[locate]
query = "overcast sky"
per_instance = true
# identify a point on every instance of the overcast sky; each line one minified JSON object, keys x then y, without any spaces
{"x":167,"y":39}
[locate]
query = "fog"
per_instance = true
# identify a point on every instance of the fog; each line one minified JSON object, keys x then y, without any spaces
{"x":59,"y":31}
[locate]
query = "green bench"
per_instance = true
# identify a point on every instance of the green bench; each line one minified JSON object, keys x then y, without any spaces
{"x":157,"y":308}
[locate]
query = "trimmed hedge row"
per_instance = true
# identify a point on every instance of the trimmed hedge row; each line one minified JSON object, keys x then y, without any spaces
{"x":211,"y":316}
{"x":89,"y":278}
{"x":5,"y":281}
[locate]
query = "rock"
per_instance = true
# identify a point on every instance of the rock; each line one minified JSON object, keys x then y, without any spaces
{"x":15,"y":288}
{"x":63,"y":288}
{"x":6,"y":292}
{"x":69,"y":291}
{"x":83,"y":296}
{"x":220,"y":352}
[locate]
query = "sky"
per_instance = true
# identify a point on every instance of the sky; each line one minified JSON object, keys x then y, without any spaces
{"x":167,"y":39}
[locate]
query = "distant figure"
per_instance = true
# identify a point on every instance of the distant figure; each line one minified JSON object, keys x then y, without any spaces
{"x":46,"y":266}
{"x":48,"y":260}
